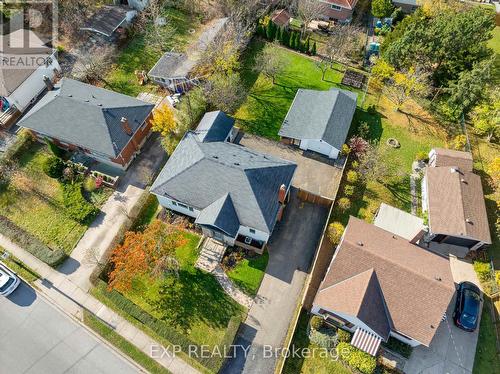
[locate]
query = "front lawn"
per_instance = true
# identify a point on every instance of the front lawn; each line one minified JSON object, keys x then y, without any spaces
{"x":34,"y":202}
{"x":248,"y":273}
{"x":266,"y":105}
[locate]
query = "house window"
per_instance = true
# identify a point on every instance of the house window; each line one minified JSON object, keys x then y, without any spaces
{"x":182,"y":205}
{"x":252,"y":231}
{"x":174,"y":203}
{"x":191,"y":209}
{"x":248,"y":240}
{"x":336,"y":7}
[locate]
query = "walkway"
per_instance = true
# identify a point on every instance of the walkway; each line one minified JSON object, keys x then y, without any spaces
{"x":72,"y":299}
{"x":228,"y":286}
{"x":115,"y":214}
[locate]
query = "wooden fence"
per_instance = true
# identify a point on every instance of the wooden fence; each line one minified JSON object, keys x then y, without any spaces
{"x":312,"y":198}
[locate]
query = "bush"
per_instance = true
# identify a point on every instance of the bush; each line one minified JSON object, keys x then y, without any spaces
{"x":344,"y":204}
{"x":77,"y":207}
{"x":316,"y":322}
{"x":483,"y":271}
{"x":30,"y":243}
{"x":352,"y":175}
{"x":344,"y":336}
{"x":398,"y":347}
{"x":53,"y":167}
{"x":364,"y":130}
{"x":335,"y":231}
{"x":459,"y":142}
{"x":323,"y":339}
{"x":345,"y":149}
{"x":348,"y":190}
{"x":89,"y":184}
{"x":356,"y":358}
{"x":56,"y":151}
{"x":355,"y":165}
{"x":422,"y":156}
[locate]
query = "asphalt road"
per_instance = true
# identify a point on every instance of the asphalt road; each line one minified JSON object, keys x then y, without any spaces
{"x":37,"y":338}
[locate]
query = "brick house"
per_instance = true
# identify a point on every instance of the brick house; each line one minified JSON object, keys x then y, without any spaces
{"x":104,"y":125}
{"x":338,"y":10}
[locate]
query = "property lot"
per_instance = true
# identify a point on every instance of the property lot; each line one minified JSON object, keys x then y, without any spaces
{"x":291,"y":250}
{"x":315,"y":173}
{"x":37,"y":338}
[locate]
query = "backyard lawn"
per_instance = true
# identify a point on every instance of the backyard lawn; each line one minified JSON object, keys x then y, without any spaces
{"x":487,"y":360}
{"x":266,"y":105}
{"x":33,"y":201}
{"x":248,"y":273}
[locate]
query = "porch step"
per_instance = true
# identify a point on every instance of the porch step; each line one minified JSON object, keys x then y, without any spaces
{"x":211,"y":254}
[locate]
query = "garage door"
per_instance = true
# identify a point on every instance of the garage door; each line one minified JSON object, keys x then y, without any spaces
{"x":320,"y":147}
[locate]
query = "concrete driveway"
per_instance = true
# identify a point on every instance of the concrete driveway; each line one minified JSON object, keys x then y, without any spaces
{"x":37,"y":338}
{"x":452,"y":350}
{"x":291,"y":250}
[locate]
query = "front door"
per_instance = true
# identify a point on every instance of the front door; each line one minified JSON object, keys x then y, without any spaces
{"x":217,"y":235}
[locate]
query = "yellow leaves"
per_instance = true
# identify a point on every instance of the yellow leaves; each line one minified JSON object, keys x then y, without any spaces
{"x":493,"y":169}
{"x":163,"y":120}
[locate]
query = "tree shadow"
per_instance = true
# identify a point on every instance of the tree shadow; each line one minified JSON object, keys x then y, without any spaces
{"x":374,"y":121}
{"x":400,"y":189}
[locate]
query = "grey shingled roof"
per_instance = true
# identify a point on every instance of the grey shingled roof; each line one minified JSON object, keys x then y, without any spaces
{"x":198,"y":174}
{"x":107,"y":19}
{"x":214,"y":127}
{"x":222,"y":215}
{"x":87,"y":116}
{"x":325,"y":115}
{"x":172,"y":65}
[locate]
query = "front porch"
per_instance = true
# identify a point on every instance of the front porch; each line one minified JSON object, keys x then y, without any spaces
{"x":247,"y":242}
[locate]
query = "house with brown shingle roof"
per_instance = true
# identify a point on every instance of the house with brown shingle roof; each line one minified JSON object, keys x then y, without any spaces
{"x":452,"y":196}
{"x":338,"y":10}
{"x":379,"y":285}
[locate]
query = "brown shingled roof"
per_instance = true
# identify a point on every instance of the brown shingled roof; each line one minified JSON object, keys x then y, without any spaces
{"x":416,"y":285}
{"x":456,"y":203}
{"x":348,"y":4}
{"x":450,"y":157}
{"x":280,"y":17}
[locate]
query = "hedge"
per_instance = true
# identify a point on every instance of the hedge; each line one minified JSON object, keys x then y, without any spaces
{"x":356,"y":358}
{"x":168,"y":333}
{"x":23,"y":141}
{"x":77,"y":207}
{"x":31,"y":243}
{"x":399,"y":347}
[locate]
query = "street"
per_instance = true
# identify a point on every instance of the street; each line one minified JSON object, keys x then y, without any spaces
{"x":35,"y":337}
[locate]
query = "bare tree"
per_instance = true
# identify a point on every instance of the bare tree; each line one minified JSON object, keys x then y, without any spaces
{"x":224,"y":92}
{"x":402,"y":86}
{"x":323,"y":65}
{"x":157,"y":28}
{"x":92,"y":257}
{"x":72,"y":15}
{"x":269,"y":62}
{"x":309,"y":10}
{"x":343,"y":43}
{"x":94,"y":65}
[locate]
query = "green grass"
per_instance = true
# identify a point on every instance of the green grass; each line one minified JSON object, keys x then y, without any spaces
{"x":34,"y":202}
{"x":316,"y":363}
{"x":137,"y":56}
{"x":266,"y":105}
{"x":147,"y":214}
{"x":248,"y":273}
{"x":487,"y":359}
{"x":494,"y":42}
{"x":122,"y":344}
{"x":20,"y":268}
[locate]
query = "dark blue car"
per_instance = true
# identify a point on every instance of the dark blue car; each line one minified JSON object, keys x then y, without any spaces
{"x":467,"y":307}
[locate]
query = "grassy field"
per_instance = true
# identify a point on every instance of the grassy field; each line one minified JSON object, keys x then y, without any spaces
{"x":316,"y":364}
{"x":248,"y":273}
{"x":34,"y":202}
{"x":137,"y":56}
{"x":123,"y":345}
{"x":266,"y":105}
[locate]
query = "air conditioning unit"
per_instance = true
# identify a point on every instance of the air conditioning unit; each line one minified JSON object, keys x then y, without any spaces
{"x":248,"y":240}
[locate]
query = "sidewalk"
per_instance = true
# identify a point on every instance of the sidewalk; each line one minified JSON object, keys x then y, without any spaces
{"x":72,"y":300}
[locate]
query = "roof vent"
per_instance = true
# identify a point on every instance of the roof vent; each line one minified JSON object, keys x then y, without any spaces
{"x":438,"y":278}
{"x":463,"y":181}
{"x":394,"y":237}
{"x":237,"y":163}
{"x":468,"y":220}
{"x":70,"y":95}
{"x":216,"y":157}
{"x":453,"y":170}
{"x":360,"y":244}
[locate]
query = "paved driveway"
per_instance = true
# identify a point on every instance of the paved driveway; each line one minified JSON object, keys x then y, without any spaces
{"x":452,"y":350}
{"x":291,"y":251}
{"x":37,"y":338}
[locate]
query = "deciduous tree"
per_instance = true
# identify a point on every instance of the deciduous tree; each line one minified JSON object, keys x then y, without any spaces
{"x":224,"y":92}
{"x":163,"y":120}
{"x":403,"y":86}
{"x":309,"y":10}
{"x":343,"y":43}
{"x":269,"y":62}
{"x":486,"y":117}
{"x":382,"y":8}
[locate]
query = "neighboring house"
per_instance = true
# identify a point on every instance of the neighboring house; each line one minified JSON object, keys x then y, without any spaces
{"x":338,"y":10}
{"x":399,"y":222}
{"x":319,"y":120}
{"x":19,"y":88}
{"x":138,"y":4}
{"x":235,"y":194}
{"x":109,"y":19}
{"x":174,"y":71}
{"x":106,"y":126}
{"x":379,"y":285}
{"x":452,"y":196}
{"x":281,"y":18}
{"x":407,"y":6}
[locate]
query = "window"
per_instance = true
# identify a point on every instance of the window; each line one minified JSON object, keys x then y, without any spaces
{"x":182,"y":205}
{"x":336,"y":7}
{"x":174,"y":203}
{"x":191,"y":209}
{"x":248,"y":240}
{"x":252,"y":231}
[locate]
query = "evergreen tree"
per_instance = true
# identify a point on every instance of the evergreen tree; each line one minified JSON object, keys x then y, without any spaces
{"x":313,"y":49}
{"x":270,"y":31}
{"x":279,"y":34}
{"x":285,"y":40}
{"x":291,"y":43}
{"x":296,"y":45}
{"x":307,"y":46}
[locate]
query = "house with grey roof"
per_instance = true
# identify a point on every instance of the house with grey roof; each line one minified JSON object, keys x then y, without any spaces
{"x":236,"y":195}
{"x":319,"y":121}
{"x":106,"y":126}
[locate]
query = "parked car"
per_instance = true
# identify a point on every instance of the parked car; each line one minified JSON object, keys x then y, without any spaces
{"x":467,"y":307}
{"x":8,"y":280}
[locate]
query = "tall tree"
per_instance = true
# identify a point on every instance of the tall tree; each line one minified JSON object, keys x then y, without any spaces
{"x":486,"y":117}
{"x":382,"y":8}
{"x":269,"y":62}
{"x":403,"y":86}
{"x":163,"y":121}
{"x":343,"y":42}
{"x":224,"y":92}
{"x":323,"y":65}
{"x":309,"y":10}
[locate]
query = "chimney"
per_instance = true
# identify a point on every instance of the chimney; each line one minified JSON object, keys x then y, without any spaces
{"x":126,"y":127}
{"x":282,"y":194}
{"x":48,"y":83}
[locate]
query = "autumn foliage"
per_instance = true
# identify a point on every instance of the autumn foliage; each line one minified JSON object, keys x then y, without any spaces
{"x":151,"y":252}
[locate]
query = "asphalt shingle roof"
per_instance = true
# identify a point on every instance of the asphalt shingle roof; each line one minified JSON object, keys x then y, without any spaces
{"x":172,"y":65}
{"x":222,"y":215}
{"x":87,"y":116}
{"x":214,"y":127}
{"x":325,"y":115}
{"x":198,"y":174}
{"x":107,"y":19}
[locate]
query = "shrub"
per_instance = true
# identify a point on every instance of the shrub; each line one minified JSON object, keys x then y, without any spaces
{"x":355,"y":165}
{"x":345,"y":149}
{"x":355,"y":358}
{"x":68,"y":174}
{"x":323,"y":339}
{"x":77,"y":207}
{"x":422,"y":156}
{"x":459,"y":142}
{"x":53,"y":167}
{"x":483,"y":271}
{"x":348,"y":190}
{"x":343,"y":336}
{"x":316,"y":322}
{"x":31,"y":243}
{"x":56,"y":151}
{"x":344,"y":204}
{"x":352,"y":175}
{"x":335,"y":231}
{"x":358,"y":145}
{"x":89,"y":184}
{"x":398,"y":347}
{"x":364,"y":130}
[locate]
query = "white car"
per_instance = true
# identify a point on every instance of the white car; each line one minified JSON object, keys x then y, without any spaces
{"x":8,"y":280}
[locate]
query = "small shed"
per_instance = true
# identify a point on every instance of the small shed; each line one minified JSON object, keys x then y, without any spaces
{"x":281,"y":18}
{"x":108,"y":19}
{"x":400,"y":223}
